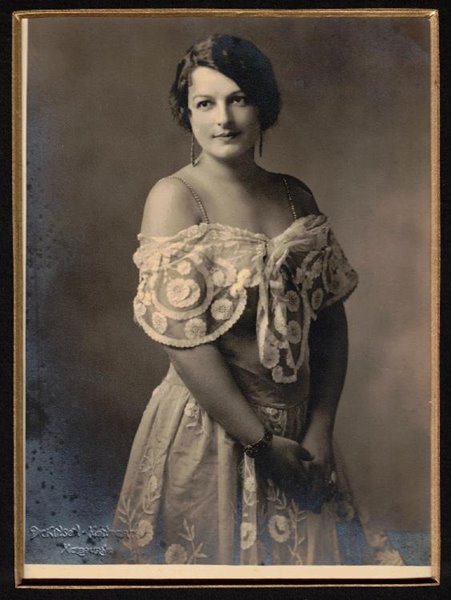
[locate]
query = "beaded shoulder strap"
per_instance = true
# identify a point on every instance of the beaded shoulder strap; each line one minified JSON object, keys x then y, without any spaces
{"x":289,"y":198}
{"x":196,"y":197}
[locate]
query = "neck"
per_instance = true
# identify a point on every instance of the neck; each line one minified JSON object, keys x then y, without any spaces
{"x":242,"y":169}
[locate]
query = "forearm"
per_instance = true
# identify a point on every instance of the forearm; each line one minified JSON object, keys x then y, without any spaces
{"x":328,"y":363}
{"x":207,"y":375}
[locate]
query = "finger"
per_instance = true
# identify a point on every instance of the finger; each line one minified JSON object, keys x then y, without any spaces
{"x":304,"y":454}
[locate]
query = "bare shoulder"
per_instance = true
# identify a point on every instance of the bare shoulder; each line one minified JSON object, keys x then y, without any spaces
{"x":303,"y":198}
{"x":169,"y":208}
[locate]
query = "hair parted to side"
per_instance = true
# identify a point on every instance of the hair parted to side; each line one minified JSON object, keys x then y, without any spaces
{"x":238,"y":59}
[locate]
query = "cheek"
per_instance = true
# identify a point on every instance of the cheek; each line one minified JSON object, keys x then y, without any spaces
{"x":254,"y":129}
{"x":252,"y":120}
{"x":200,"y":131}
{"x":201,"y":123}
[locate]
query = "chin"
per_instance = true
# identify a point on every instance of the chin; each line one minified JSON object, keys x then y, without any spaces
{"x":232,"y":153}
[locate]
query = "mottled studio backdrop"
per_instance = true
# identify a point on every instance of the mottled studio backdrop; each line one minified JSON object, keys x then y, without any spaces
{"x":354,"y":127}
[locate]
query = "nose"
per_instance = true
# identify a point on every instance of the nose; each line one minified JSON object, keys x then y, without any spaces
{"x":223,"y":115}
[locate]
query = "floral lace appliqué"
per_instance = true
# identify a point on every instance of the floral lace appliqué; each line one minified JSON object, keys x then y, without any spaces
{"x":193,"y":287}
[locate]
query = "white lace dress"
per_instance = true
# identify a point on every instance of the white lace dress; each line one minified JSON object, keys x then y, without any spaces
{"x":190,"y":495}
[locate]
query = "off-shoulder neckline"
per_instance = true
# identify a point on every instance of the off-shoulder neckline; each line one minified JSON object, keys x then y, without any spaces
{"x":232,"y":229}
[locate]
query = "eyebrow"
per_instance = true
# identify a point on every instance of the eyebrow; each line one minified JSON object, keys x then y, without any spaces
{"x":238,"y":91}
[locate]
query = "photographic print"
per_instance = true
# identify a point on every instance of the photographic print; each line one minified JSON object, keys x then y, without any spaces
{"x":227,"y":229}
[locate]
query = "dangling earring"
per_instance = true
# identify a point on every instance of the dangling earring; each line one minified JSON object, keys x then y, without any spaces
{"x":260,"y":144}
{"x":193,"y":158}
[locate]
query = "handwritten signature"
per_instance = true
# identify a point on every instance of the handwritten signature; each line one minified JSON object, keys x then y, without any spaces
{"x":92,"y":532}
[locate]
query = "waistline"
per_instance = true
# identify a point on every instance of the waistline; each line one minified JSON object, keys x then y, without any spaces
{"x":257,"y":390}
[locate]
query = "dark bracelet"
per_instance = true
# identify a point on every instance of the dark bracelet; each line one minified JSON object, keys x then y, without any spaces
{"x":260,"y":447}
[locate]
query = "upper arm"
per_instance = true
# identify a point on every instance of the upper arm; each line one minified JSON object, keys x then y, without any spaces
{"x":169,"y":208}
{"x":329,"y":332}
{"x":302,"y":196}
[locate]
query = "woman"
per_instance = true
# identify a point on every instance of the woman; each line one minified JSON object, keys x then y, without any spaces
{"x":242,"y":282}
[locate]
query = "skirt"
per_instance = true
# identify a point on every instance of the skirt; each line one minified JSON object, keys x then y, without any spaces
{"x":192,"y":496}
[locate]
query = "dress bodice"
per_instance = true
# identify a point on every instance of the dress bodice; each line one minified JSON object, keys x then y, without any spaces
{"x":211,"y":279}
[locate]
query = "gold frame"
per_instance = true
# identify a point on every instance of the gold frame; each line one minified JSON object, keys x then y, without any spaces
{"x":18,"y":249}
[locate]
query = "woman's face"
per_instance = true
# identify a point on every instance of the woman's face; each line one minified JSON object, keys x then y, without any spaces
{"x":224,"y":123}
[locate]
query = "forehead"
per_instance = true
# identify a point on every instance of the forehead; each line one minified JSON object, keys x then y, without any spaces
{"x":208,"y":82}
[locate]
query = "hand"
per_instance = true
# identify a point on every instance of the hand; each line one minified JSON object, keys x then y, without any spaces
{"x":321,"y":470}
{"x":285,"y":463}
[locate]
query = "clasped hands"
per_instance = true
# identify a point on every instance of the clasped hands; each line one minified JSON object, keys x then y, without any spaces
{"x":307,"y":476}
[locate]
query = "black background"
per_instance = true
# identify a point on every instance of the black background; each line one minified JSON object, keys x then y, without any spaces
{"x":7,"y":589}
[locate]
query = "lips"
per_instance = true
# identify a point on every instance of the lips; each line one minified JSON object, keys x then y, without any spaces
{"x":227,"y":135}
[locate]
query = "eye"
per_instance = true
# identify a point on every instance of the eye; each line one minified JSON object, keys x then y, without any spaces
{"x":203,"y":104}
{"x":240,"y":100}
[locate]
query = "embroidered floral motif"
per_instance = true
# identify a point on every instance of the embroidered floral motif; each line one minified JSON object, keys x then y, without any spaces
{"x":218,"y":277}
{"x":124,"y":511}
{"x":144,"y":532}
{"x":222,"y":309}
{"x":277,"y":374}
{"x":159,"y":322}
{"x":248,"y":535}
{"x":310,"y":270}
{"x":182,"y":292}
{"x":270,"y":356}
{"x":293,"y":301}
{"x":176,"y":555}
{"x":184,"y":268}
{"x":250,"y":485}
{"x":333,"y":268}
{"x":140,"y":309}
{"x":153,"y":262}
{"x":151,"y":494}
{"x":198,"y":418}
{"x":294,"y":332}
{"x":382,"y":550}
{"x":377,"y":539}
{"x":195,"y":328}
{"x":140,"y":290}
{"x":171,"y":250}
{"x":191,"y":410}
{"x":243,"y":279}
{"x":317,"y":298}
{"x":152,"y":484}
{"x":277,"y":418}
{"x":147,"y":299}
{"x":289,"y":523}
{"x":316,"y":269}
{"x":388,"y":556}
{"x":279,"y":528}
{"x":280,"y":322}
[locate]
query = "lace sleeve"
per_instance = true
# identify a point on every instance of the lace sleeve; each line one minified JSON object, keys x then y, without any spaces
{"x":324,"y":274}
{"x":338,"y":279}
{"x":188,"y":294}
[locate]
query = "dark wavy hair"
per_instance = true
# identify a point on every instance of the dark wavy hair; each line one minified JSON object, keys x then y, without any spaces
{"x":238,"y":59}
